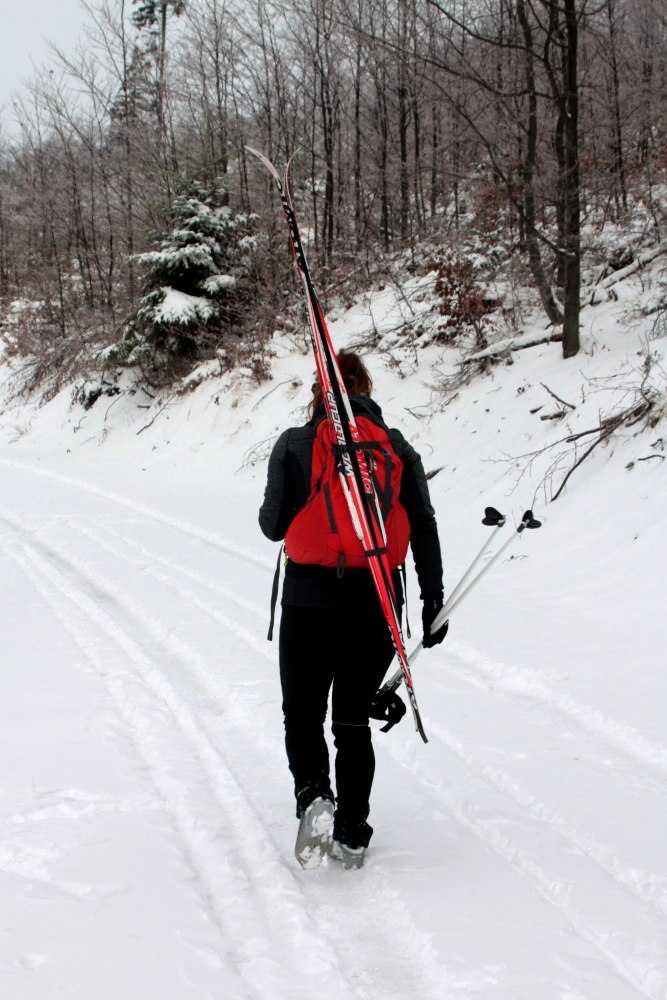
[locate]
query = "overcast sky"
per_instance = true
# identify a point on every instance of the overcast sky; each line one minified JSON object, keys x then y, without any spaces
{"x":26,"y":28}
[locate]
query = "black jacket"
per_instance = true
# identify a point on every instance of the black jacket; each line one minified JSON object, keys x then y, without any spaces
{"x":287,"y":489}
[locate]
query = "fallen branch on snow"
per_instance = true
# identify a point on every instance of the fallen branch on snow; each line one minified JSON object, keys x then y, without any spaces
{"x":514,"y":344}
{"x":625,"y":272}
{"x":645,"y":408}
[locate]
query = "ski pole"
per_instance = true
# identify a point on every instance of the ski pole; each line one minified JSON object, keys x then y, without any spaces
{"x":491,"y":517}
{"x":527,"y":521}
{"x":457,"y":595}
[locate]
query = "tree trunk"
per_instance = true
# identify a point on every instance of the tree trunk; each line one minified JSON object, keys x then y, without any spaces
{"x":328,"y":128}
{"x":384,"y":157}
{"x":617,"y":144}
{"x":528,"y":210}
{"x":403,"y":121}
{"x":357,"y":149}
{"x":435,"y":152}
{"x":571,"y":184}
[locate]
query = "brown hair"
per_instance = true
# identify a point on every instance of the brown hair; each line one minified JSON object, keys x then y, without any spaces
{"x":355,"y":376}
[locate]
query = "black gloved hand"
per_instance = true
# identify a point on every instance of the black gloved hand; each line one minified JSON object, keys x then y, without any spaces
{"x":390,"y":709}
{"x":432,"y":605}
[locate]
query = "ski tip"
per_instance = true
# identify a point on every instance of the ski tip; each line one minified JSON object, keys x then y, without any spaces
{"x":255,"y":152}
{"x":267,"y":163}
{"x":493,"y":517}
{"x":529,"y":521}
{"x":286,"y":175}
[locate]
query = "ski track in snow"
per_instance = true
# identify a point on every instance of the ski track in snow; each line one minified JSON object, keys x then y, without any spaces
{"x":281,"y":909}
{"x":186,"y":528}
{"x":626,"y":958}
{"x":646,"y":886}
{"x":527,"y":684}
{"x":153,"y":739}
{"x":642,"y":964}
{"x":513,"y":680}
{"x":587,"y":720}
{"x":149,"y":558}
{"x":231,"y":876}
{"x":272,"y":928}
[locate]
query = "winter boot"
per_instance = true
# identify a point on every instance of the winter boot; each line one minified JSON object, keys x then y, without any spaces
{"x":313,"y":839}
{"x":351,"y":857}
{"x":349,"y":842}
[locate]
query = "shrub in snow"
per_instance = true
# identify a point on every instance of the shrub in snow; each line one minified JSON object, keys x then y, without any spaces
{"x":195,"y":286}
{"x":461,"y":303}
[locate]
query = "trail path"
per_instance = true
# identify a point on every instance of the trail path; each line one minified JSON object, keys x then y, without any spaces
{"x":146,"y":818}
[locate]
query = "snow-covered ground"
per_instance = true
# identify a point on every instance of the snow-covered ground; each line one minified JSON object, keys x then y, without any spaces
{"x":146,"y":814}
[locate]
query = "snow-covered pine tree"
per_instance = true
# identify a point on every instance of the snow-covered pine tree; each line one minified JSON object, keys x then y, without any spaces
{"x":194,"y":287}
{"x":150,"y":17}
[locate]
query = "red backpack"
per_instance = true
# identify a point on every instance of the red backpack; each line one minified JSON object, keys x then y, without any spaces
{"x":322,"y":532}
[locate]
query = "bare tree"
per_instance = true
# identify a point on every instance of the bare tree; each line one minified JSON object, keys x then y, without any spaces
{"x":411,"y":119}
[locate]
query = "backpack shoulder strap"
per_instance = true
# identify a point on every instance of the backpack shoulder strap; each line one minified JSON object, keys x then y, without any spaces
{"x":383,"y":445}
{"x":274,"y":594}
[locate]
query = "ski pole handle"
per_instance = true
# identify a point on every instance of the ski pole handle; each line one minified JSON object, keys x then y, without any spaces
{"x":527,"y":521}
{"x":494,"y":517}
{"x":497,"y":520}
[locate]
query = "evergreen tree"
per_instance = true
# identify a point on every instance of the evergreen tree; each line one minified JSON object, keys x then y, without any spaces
{"x":194,"y":287}
{"x":149,"y":13}
{"x":151,"y":18}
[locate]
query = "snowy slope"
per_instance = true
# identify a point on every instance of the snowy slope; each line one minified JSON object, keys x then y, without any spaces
{"x":146,"y":815}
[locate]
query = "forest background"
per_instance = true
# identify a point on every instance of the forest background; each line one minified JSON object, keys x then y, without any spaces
{"x":520,"y":136}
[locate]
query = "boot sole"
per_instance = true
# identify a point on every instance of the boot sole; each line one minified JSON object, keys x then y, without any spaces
{"x":313,"y":840}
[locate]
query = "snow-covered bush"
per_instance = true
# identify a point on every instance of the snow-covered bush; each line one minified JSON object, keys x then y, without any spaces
{"x":196,"y":286}
{"x":461,"y":302}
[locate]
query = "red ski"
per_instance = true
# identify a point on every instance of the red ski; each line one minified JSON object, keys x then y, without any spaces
{"x":362,"y":502}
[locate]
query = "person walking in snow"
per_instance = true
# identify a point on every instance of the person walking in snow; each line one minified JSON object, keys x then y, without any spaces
{"x":333,"y":634}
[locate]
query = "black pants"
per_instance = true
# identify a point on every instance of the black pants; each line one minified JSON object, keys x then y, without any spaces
{"x":349,"y":651}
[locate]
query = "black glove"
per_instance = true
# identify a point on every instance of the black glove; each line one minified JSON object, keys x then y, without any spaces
{"x":389,"y":708}
{"x":432,"y":605}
